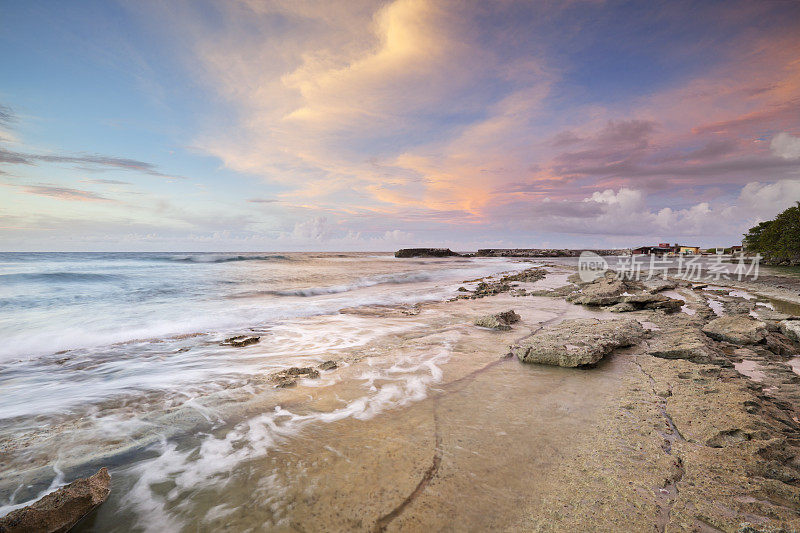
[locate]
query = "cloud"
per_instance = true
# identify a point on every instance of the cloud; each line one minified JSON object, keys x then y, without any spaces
{"x":63,"y":193}
{"x":106,"y":182}
{"x":92,"y":161}
{"x":7,"y":116}
{"x":786,"y":146}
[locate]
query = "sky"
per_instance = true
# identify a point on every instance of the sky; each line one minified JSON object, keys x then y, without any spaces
{"x":256,"y":125}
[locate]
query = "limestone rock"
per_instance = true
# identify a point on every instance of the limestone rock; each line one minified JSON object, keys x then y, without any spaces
{"x":62,"y":509}
{"x":680,"y":339}
{"x":578,"y":342}
{"x":288,"y":377}
{"x":425,"y":252}
{"x":499,"y":321}
{"x":736,"y":329}
{"x":604,"y":291}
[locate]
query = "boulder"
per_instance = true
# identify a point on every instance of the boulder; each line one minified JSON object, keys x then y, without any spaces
{"x":622,"y":307}
{"x":499,"y":321}
{"x":241,"y":340}
{"x":62,"y":509}
{"x":790,"y":328}
{"x":736,"y":329}
{"x":578,"y":342}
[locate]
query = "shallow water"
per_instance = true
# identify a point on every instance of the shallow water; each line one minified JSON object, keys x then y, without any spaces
{"x":116,"y":358}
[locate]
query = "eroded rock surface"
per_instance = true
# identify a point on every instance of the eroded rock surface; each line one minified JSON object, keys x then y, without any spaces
{"x":62,"y":509}
{"x":736,"y":329}
{"x":578,"y":342}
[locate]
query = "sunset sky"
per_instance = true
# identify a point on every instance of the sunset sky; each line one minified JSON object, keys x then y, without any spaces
{"x":359,"y":125}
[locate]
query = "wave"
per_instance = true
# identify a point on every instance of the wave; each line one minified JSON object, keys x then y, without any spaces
{"x":414,"y":277}
{"x":222,"y":258}
{"x":57,"y":277}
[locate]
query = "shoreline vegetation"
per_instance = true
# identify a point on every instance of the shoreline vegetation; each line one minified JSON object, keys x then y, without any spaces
{"x":660,"y":405}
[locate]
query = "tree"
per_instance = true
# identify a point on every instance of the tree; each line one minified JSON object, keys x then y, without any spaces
{"x":778,"y":240}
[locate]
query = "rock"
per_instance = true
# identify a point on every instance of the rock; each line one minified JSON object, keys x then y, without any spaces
{"x":62,"y":509}
{"x":604,"y":291}
{"x":558,"y":292}
{"x":288,"y":377}
{"x":529,"y":275}
{"x":425,"y":252}
{"x":790,"y":328}
{"x":622,"y":307}
{"x":678,"y":338}
{"x":657,"y":285}
{"x":653,"y":301}
{"x":328,"y":365}
{"x":736,"y":329}
{"x":240,"y":340}
{"x":488,"y":289}
{"x":462,"y":289}
{"x":499,"y":321}
{"x":578,"y":342}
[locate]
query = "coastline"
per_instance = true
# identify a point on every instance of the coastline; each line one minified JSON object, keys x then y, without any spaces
{"x":482,"y":440}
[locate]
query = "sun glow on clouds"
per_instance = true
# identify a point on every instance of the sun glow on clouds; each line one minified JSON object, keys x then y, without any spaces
{"x":479,"y":119}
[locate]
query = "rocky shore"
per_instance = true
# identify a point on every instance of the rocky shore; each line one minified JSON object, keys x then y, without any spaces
{"x":557,"y":405}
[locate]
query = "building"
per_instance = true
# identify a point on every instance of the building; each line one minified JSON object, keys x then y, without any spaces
{"x":689,"y":250}
{"x":647,"y":250}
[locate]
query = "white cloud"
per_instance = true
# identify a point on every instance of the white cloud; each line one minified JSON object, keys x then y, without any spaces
{"x":785,"y":146}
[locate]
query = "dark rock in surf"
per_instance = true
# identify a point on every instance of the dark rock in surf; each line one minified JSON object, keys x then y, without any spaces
{"x":241,"y":340}
{"x":328,"y":365}
{"x":62,"y":509}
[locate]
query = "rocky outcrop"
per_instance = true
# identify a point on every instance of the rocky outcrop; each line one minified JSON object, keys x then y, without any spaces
{"x":528,"y":275}
{"x":62,"y":509}
{"x":425,"y":252}
{"x":500,"y":321}
{"x":578,"y":342}
{"x":736,"y":329}
{"x":240,"y":340}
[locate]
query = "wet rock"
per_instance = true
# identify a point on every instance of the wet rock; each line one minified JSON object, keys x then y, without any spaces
{"x":328,"y":365}
{"x":578,"y":342}
{"x":462,"y":289}
{"x":558,"y":292}
{"x":240,"y":340}
{"x":736,"y":329}
{"x":790,"y":328}
{"x":62,"y":509}
{"x":500,"y":321}
{"x":288,"y":377}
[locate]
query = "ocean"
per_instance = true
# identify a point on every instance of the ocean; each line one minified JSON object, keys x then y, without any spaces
{"x":116,"y":358}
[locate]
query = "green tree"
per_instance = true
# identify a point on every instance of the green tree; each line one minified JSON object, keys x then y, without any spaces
{"x":777,"y":240}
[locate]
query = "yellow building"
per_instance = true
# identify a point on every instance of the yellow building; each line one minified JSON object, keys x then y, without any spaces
{"x":690,"y":250}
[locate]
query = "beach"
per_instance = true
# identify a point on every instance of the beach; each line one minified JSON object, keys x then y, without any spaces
{"x":400,"y":414}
